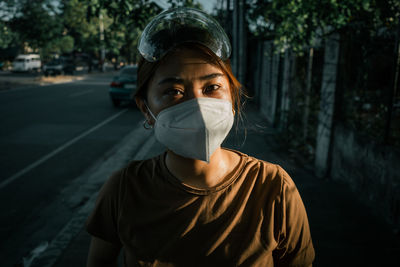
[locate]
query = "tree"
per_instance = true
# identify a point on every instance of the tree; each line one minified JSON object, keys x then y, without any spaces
{"x":298,"y":23}
{"x":58,"y":46}
{"x":85,"y":32}
{"x":127,"y":18}
{"x":36,"y":22}
{"x":7,"y":36}
{"x":185,"y":3}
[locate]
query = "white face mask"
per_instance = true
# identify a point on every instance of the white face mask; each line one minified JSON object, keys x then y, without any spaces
{"x":195,"y":128}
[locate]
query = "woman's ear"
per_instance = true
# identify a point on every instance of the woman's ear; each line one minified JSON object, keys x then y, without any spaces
{"x":140,"y":104}
{"x":143,"y":108}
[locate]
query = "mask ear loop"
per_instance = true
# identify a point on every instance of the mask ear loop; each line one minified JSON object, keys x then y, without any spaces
{"x":146,"y":123}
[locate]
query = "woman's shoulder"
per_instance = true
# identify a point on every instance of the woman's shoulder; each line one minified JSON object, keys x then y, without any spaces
{"x":274,"y":171}
{"x":132,"y":170}
{"x":265,"y":172}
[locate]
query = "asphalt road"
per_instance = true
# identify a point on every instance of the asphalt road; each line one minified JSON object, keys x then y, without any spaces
{"x":50,"y":135}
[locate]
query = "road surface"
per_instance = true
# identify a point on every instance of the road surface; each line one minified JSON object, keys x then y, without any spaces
{"x":49,"y":136}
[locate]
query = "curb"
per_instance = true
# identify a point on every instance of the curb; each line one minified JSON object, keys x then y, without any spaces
{"x":135,"y":145}
{"x":35,"y":84}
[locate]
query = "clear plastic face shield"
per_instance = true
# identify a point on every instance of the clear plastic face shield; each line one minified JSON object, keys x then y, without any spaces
{"x":182,"y":25}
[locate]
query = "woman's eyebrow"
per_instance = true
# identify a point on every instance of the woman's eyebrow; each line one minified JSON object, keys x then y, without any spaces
{"x":171,"y":80}
{"x":180,"y":80}
{"x":211,"y":76}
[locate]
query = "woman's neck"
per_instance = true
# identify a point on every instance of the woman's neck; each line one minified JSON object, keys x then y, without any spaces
{"x":200,"y":174}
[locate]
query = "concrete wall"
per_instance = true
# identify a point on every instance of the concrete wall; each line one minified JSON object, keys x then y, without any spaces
{"x":268,"y":81}
{"x":287,"y":78}
{"x":371,"y":170}
{"x":264,"y":79}
{"x":327,"y":103}
{"x":257,"y":74}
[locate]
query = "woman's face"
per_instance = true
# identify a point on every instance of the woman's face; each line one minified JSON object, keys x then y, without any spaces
{"x":185,"y":74}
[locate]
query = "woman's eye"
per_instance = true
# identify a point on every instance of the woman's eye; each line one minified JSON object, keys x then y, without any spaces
{"x":212,"y":87}
{"x":174,"y":91}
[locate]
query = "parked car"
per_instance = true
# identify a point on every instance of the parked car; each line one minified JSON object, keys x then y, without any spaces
{"x":123,"y":86}
{"x":29,"y":62}
{"x":59,"y":66}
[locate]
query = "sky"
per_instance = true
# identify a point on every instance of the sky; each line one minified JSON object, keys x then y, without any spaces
{"x":207,"y":4}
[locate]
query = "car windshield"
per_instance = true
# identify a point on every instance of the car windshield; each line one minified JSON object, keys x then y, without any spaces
{"x":20,"y":60}
{"x":55,"y":62}
{"x":130,"y":71}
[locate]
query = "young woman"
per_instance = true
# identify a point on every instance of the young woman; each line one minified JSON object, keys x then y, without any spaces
{"x":197,"y":204}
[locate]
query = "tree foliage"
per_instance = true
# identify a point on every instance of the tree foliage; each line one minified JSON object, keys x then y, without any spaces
{"x":185,"y":3}
{"x":85,"y":33}
{"x":126,"y":20}
{"x":7,"y":36}
{"x":298,"y":23}
{"x":62,"y":26}
{"x":36,"y":22}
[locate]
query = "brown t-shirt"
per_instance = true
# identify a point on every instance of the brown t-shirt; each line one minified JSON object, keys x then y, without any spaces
{"x":255,"y":218}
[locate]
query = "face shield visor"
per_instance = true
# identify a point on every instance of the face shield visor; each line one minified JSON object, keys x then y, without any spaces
{"x":182,"y":25}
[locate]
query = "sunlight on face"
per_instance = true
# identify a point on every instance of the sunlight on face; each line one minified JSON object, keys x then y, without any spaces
{"x":186,"y":74}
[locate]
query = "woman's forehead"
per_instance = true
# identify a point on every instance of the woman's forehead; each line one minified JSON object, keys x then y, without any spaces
{"x":187,"y":62}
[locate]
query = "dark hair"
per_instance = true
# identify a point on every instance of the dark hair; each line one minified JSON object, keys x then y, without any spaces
{"x":147,"y":69}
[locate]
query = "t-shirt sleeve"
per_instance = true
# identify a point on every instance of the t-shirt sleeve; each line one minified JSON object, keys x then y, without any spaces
{"x":103,"y":221}
{"x":295,"y":246}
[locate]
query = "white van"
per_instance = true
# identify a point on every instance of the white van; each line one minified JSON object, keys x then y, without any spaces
{"x":27,"y":63}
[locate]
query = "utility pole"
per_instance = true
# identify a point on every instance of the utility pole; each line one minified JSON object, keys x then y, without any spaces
{"x":235,"y":38}
{"x":308,"y":94}
{"x":239,"y":40}
{"x":103,"y":52}
{"x":327,"y":106}
{"x":242,"y":42}
{"x":392,"y":98}
{"x":228,"y":16}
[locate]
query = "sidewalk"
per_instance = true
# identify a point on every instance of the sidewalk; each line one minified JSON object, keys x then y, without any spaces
{"x":11,"y":81}
{"x":345,"y":232}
